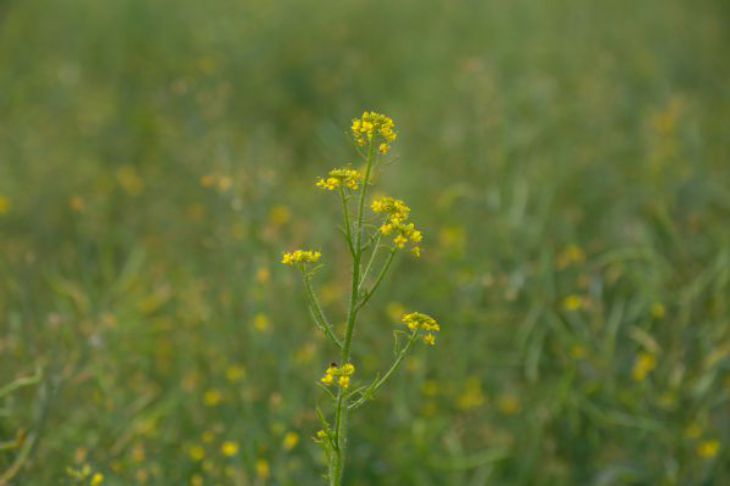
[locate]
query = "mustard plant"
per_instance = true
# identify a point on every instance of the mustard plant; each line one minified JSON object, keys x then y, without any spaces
{"x":373,"y":239}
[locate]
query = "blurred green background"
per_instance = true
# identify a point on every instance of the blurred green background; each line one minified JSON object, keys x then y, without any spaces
{"x":568,"y":161}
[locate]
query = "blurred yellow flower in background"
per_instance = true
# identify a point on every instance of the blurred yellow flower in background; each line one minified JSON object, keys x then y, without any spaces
{"x":4,"y":205}
{"x":229,"y":448}
{"x":708,"y":449}
{"x":291,"y":439}
{"x":644,"y":364}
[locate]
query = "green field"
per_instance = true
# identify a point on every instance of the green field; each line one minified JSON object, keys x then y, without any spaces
{"x":568,"y":162}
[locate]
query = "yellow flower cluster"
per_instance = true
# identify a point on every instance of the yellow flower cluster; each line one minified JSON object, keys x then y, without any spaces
{"x":397,"y":222}
{"x":342,"y":374}
{"x":300,"y":256}
{"x":424,"y":322}
{"x":374,"y":127}
{"x":350,"y":178}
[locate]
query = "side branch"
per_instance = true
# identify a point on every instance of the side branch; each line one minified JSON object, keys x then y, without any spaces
{"x":317,"y":314}
{"x":379,"y":279}
{"x":370,"y":392}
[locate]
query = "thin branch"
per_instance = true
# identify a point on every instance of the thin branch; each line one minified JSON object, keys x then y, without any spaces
{"x":373,"y":389}
{"x":379,"y":279}
{"x":317,"y":314}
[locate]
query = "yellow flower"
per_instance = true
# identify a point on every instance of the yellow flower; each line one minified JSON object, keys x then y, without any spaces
{"x":349,"y":178}
{"x":196,"y":453}
{"x":472,"y":396}
{"x":129,"y":180}
{"x":235,"y":373}
{"x":212,"y":398}
{"x":396,"y":221}
{"x":329,"y":375}
{"x":196,"y":480}
{"x":291,"y":439}
{"x":97,"y":479}
{"x":572,"y":254}
{"x":416,"y":321}
{"x":645,"y":364}
{"x":344,"y":382}
{"x":508,"y":404}
{"x":229,"y":448}
{"x":658,"y":311}
{"x":708,"y":449}
{"x":263,"y":470}
{"x":300,"y":257}
{"x":207,"y":180}
{"x":4,"y":205}
{"x":279,"y":215}
{"x":371,"y":126}
{"x":342,"y":373}
{"x":261,"y":322}
{"x":224,"y":183}
{"x":76,"y":203}
{"x":572,"y":303}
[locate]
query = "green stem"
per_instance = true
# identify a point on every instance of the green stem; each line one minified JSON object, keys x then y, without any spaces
{"x":336,"y":469}
{"x":346,"y":213}
{"x":365,"y":273}
{"x":379,"y":383}
{"x":318,"y":314}
{"x":379,"y":279}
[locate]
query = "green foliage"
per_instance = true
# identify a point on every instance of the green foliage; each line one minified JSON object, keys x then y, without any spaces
{"x":568,"y":161}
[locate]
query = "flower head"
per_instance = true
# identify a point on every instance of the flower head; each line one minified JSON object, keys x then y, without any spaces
{"x":371,"y":127}
{"x":300,"y":257}
{"x":416,"y":321}
{"x":396,"y":223}
{"x":342,"y":374}
{"x":349,"y":178}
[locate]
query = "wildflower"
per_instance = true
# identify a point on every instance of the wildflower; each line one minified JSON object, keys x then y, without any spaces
{"x":212,"y":398}
{"x":396,"y":222}
{"x":207,"y":180}
{"x":658,"y":311}
{"x":572,"y":254}
{"x":97,"y":479}
{"x":508,"y":404}
{"x":229,"y":448}
{"x":349,"y":178}
{"x":235,"y":373}
{"x":416,"y":321}
{"x":129,"y":180}
{"x":300,"y":257}
{"x":261,"y":322}
{"x":577,"y":351}
{"x":342,"y":374}
{"x":472,"y":396}
{"x":329,"y":375}
{"x":708,"y":449}
{"x":373,"y":126}
{"x":196,"y":453}
{"x":291,"y":439}
{"x":263,"y":275}
{"x":645,"y":364}
{"x":279,"y":215}
{"x":208,"y":436}
{"x":224,"y":183}
{"x":4,"y":205}
{"x":430,"y":388}
{"x":77,"y":204}
{"x":263,"y":470}
{"x":196,"y":480}
{"x":572,"y":303}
